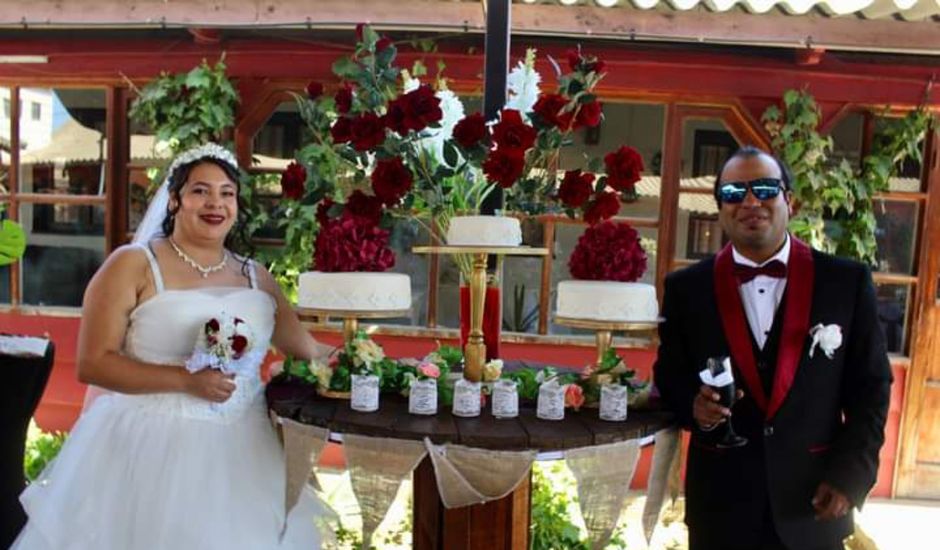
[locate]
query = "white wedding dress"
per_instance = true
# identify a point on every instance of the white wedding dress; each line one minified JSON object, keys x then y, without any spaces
{"x":172,"y":471}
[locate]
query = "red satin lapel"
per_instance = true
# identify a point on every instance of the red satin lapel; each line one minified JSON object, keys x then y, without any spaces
{"x":795,"y":322}
{"x":735,"y":324}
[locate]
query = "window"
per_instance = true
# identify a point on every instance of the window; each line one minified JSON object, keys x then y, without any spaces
{"x":6,"y":107}
{"x":35,"y":110}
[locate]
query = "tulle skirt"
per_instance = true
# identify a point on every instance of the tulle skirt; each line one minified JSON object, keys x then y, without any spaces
{"x":166,"y":472}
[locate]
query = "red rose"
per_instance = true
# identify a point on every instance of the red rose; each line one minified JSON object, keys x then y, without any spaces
{"x":549,"y":109}
{"x":504,"y":166}
{"x":314,"y":89}
{"x":368,"y":131}
{"x":323,"y":211}
{"x":470,"y":130}
{"x":414,"y":111}
{"x":359,"y":31}
{"x":391,"y":179}
{"x":623,"y":168}
{"x":597,"y":66}
{"x":608,"y":251}
{"x":239,"y":343}
{"x":589,"y":115}
{"x":212,"y":326}
{"x":364,"y":206}
{"x":352,"y":244}
{"x":293,"y":181}
{"x":574,"y":59}
{"x":576,"y":188}
{"x":344,"y":99}
{"x":511,"y":133}
{"x":341,"y":131}
{"x":382,"y":43}
{"x":604,"y":206}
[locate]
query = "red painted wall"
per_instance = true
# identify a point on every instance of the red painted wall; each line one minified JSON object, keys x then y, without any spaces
{"x":62,"y":401}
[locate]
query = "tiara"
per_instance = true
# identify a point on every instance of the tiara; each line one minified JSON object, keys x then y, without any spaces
{"x":207,"y":150}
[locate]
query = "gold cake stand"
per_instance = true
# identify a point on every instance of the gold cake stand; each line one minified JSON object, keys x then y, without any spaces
{"x":603,"y":330}
{"x":475,"y":350}
{"x":351,"y":317}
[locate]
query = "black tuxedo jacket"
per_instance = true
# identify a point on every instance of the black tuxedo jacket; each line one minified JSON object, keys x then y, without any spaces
{"x":823,"y":420}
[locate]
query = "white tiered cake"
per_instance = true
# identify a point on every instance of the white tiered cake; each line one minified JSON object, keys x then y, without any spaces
{"x":354,"y":291}
{"x":484,"y":231}
{"x":607,"y":301}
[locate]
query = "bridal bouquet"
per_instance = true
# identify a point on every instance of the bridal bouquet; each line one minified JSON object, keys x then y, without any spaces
{"x":224,"y":343}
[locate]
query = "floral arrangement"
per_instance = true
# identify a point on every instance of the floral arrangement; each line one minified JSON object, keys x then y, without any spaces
{"x":608,"y":251}
{"x":611,"y":370}
{"x":528,"y":381}
{"x":222,"y":344}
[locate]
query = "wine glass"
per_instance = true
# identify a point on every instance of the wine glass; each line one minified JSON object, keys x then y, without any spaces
{"x":726,"y":398}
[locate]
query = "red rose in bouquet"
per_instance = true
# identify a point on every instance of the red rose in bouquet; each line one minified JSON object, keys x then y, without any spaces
{"x":604,"y":206}
{"x":293,"y":180}
{"x":549,"y":108}
{"x":589,"y":115}
{"x":314,"y":89}
{"x":368,"y":131}
{"x":415,"y":110}
{"x":576,"y":188}
{"x":470,"y":130}
{"x":341,"y":131}
{"x":504,"y":166}
{"x":323,"y":210}
{"x":364,"y":206}
{"x":344,"y":99}
{"x":624,"y":167}
{"x":512,"y":133}
{"x":350,"y":243}
{"x":391,"y":179}
{"x":608,"y":251}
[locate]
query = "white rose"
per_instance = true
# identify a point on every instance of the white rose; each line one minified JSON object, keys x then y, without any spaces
{"x":492,"y":370}
{"x":827,"y":337}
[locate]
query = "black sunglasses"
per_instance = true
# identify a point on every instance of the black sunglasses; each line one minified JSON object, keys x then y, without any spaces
{"x":763,"y":189}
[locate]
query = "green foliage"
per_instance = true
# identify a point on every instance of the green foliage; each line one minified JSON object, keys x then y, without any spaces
{"x":41,"y":448}
{"x":528,"y":380}
{"x":835,"y":210}
{"x":520,"y":320}
{"x":12,"y":242}
{"x":188,"y":109}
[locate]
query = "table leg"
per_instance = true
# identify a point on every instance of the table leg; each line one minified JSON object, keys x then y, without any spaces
{"x":603,"y":338}
{"x":475,"y":350}
{"x":497,"y":525}
{"x":350,"y":327}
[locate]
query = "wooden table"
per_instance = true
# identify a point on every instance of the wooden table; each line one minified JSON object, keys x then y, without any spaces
{"x":499,"y":524}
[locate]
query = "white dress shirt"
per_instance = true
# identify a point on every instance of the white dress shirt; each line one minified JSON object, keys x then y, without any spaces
{"x":761,"y":295}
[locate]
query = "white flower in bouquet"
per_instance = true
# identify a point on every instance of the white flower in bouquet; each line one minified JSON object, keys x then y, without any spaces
{"x":523,"y":85}
{"x":323,"y":373}
{"x":367,"y":352}
{"x":492,"y":370}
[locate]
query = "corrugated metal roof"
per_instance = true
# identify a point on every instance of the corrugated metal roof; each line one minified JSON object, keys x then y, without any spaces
{"x":910,"y":10}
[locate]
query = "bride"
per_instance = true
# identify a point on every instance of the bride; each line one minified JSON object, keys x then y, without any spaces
{"x":166,"y":458}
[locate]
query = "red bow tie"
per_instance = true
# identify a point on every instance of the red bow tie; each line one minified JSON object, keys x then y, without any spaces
{"x":746,"y":273}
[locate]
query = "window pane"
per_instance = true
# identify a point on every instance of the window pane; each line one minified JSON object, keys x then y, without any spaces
{"x":5,"y":284}
{"x":893,"y":303}
{"x":275,"y":143}
{"x":407,"y":234}
{"x":65,"y":247}
{"x":638,"y":125}
{"x":146,"y":157}
{"x":896,"y":225}
{"x":847,"y":137}
{"x":5,"y":141}
{"x":64,"y":151}
{"x":908,"y":176}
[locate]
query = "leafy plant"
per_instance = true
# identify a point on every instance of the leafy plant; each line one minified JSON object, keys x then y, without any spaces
{"x":187,"y":109}
{"x":12,"y":240}
{"x":41,"y":449}
{"x":520,"y":320}
{"x":834,"y":203}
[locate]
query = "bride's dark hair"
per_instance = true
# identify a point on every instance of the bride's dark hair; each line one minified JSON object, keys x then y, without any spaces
{"x":237,"y":239}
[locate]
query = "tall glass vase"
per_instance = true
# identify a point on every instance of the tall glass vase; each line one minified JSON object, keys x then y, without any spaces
{"x":492,"y":318}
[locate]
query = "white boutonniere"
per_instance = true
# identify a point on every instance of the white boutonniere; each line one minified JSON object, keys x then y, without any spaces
{"x":827,"y":337}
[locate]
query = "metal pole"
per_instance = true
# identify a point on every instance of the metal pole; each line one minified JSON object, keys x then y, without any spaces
{"x":496,"y":69}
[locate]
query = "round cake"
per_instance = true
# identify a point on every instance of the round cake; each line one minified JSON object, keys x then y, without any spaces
{"x":354,"y":291}
{"x":607,"y":301}
{"x":484,"y":231}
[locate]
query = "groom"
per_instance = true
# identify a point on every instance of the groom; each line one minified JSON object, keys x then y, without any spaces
{"x":802,"y":333}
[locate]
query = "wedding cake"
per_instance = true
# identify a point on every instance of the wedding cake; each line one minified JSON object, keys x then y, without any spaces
{"x":607,"y":301}
{"x":484,"y":231}
{"x":355,"y":291}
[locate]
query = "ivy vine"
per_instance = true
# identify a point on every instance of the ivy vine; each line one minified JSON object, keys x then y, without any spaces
{"x":834,"y":201}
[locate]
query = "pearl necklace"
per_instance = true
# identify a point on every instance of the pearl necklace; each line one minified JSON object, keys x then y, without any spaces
{"x":205,"y":271}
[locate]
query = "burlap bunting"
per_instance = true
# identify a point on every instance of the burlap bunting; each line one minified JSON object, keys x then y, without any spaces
{"x":467,"y":475}
{"x":603,"y":475}
{"x":665,"y":467}
{"x":377,"y":466}
{"x":302,"y":447}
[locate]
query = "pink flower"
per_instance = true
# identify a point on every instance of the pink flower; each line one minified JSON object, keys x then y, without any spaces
{"x":429,"y":369}
{"x":574,"y":396}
